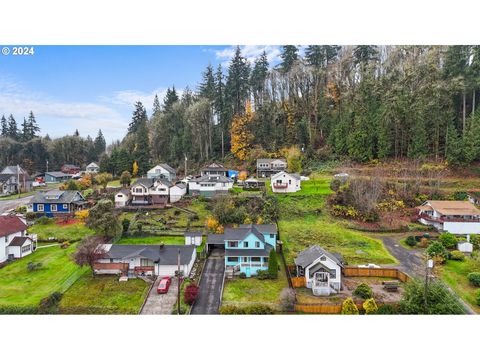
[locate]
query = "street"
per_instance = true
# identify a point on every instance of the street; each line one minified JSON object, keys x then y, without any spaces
{"x":7,"y":205}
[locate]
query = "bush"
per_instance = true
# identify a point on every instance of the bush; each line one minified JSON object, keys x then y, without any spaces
{"x":31,"y":266}
{"x":448,"y":240}
{"x":231,"y":310}
{"x":65,"y":245}
{"x":386,"y":309}
{"x":363,"y":291}
{"x":242,"y":275}
{"x":257,"y":309}
{"x":478,"y":298}
{"x":370,"y":306}
{"x":457,"y":255}
{"x":125,"y":225}
{"x":44,"y":220}
{"x":474,"y":278}
{"x":18,"y":310}
{"x":437,"y":250}
{"x":49,"y":305}
{"x":411,"y":241}
{"x":287,"y":299}
{"x":30,"y":216}
{"x":263,"y":275}
{"x":349,"y":307}
{"x":191,"y":294}
{"x":21,"y":209}
{"x":273,"y":264}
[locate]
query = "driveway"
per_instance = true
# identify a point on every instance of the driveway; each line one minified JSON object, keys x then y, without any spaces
{"x":411,"y":261}
{"x":7,"y":205}
{"x":209,"y":298}
{"x":160,"y":304}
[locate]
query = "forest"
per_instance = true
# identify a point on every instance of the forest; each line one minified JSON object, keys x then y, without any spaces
{"x":357,"y":103}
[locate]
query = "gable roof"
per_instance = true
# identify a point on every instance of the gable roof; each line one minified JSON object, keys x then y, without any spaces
{"x":269,"y":161}
{"x":451,"y":207}
{"x":57,"y":174}
{"x":11,"y":224}
{"x":165,"y":255}
{"x":168,"y":168}
{"x":19,"y":240}
{"x":57,"y":197}
{"x":5,"y":177}
{"x":214,"y":166}
{"x":242,"y":232}
{"x":124,"y":191}
{"x":180,"y":185}
{"x":13,"y":170}
{"x":145,"y":182}
{"x":308,"y":256}
{"x":92,"y":164}
{"x":281,"y":173}
{"x":212,"y":178}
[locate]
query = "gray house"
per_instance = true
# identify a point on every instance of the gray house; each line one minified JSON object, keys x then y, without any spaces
{"x":269,"y":167}
{"x":13,"y":179}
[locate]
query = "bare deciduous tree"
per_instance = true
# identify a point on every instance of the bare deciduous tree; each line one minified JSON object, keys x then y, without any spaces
{"x":89,"y":251}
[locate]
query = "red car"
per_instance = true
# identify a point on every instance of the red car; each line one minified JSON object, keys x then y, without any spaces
{"x":164,"y":285}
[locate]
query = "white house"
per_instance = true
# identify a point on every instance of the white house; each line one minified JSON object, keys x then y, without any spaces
{"x":209,"y":185}
{"x":456,"y":217}
{"x":162,"y":170}
{"x":149,"y":260}
{"x":177,"y":191}
{"x":193,"y":238}
{"x":284,"y":182}
{"x":92,"y":168}
{"x":122,"y":198}
{"x":321,"y":269}
{"x":267,"y":167}
{"x":14,"y":242}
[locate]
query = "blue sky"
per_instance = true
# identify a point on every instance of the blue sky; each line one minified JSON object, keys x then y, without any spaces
{"x":92,"y":87}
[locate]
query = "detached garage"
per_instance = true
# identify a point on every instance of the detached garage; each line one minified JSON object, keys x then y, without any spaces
{"x":147,"y":260}
{"x":215,"y":241}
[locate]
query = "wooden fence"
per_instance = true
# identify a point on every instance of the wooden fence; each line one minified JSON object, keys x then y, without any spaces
{"x":298,"y":282}
{"x":379,"y":272}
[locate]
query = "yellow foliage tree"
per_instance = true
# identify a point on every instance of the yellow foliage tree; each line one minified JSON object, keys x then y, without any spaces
{"x":294,"y":158}
{"x":242,"y":175}
{"x":82,"y":215}
{"x":135,"y":169}
{"x":212,"y":223}
{"x":241,"y":134}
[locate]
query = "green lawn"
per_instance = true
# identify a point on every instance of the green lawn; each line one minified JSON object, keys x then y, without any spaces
{"x":152,"y":240}
{"x":105,"y":294}
{"x":454,"y":273}
{"x":242,"y":292}
{"x":20,"y":287}
{"x":73,"y":232}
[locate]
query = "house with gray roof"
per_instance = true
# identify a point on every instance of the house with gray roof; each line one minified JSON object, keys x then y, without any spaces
{"x":149,"y":260}
{"x":247,"y":247}
{"x":57,"y":177}
{"x":214,"y":169}
{"x":322,"y":270}
{"x":209,"y":185}
{"x":162,"y":171}
{"x":14,"y":179}
{"x":269,"y":167}
{"x":57,"y":202}
{"x":284,"y":182}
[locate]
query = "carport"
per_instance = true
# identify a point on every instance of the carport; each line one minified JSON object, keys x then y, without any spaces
{"x":215,"y":241}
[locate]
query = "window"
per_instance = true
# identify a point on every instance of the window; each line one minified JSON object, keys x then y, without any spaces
{"x":232,"y":244}
{"x":272,"y":236}
{"x":245,"y":244}
{"x":146,"y":262}
{"x":25,"y":248}
{"x":232,"y":259}
{"x":257,"y":244}
{"x":245,"y":259}
{"x":53,"y":207}
{"x":255,"y":259}
{"x":40,"y":207}
{"x":333,"y":274}
{"x":65,"y":206}
{"x":289,"y":182}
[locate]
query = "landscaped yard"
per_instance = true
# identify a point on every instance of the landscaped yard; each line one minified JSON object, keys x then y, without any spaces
{"x":104,"y":294}
{"x":154,"y":240}
{"x":68,"y":232}
{"x":244,"y":292}
{"x":454,"y":273}
{"x":20,"y":287}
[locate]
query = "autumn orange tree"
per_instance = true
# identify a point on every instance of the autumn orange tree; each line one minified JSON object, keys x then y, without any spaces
{"x":241,"y":134}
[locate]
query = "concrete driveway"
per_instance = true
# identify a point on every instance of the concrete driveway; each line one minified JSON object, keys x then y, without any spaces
{"x":160,"y":304}
{"x":209,"y":298}
{"x":7,"y":205}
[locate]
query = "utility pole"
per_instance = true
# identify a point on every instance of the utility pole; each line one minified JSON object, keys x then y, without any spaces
{"x":185,"y":166}
{"x":18,"y":180}
{"x":427,"y":276}
{"x":178,"y":283}
{"x":47,"y":165}
{"x":222,"y":147}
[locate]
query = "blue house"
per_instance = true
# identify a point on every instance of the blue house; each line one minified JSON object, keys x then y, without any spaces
{"x":56,"y":177}
{"x":57,"y":202}
{"x":247,"y":248}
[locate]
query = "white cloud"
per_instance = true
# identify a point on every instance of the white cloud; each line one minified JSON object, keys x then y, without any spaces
{"x":250,"y":52}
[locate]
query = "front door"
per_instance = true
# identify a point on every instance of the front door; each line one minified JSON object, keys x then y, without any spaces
{"x":247,"y":272}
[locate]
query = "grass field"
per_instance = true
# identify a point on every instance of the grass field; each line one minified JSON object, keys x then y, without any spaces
{"x":152,"y":240}
{"x":106,"y":292}
{"x":242,"y":292}
{"x":454,"y":273}
{"x":20,"y":287}
{"x":72,"y":232}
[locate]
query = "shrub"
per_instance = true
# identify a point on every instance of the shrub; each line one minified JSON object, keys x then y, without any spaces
{"x":438,"y":251}
{"x":49,"y":305}
{"x":242,"y":275}
{"x":31,"y":266}
{"x":18,"y":310}
{"x":125,"y":225}
{"x":272,"y":265}
{"x":231,"y":310}
{"x":370,"y":306}
{"x":44,"y":220}
{"x":474,"y":278}
{"x":363,"y":291}
{"x":65,"y":245}
{"x":30,"y":216}
{"x":478,"y":298}
{"x":349,"y":307}
{"x":191,"y":294}
{"x":82,"y":215}
{"x":263,"y":275}
{"x":386,"y":309}
{"x":457,"y":255}
{"x":448,"y":240}
{"x":21,"y":209}
{"x":259,"y":309}
{"x":411,"y":241}
{"x":287,"y":299}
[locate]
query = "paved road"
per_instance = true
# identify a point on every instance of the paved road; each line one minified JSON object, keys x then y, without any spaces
{"x":411,"y":261}
{"x":160,"y":304}
{"x":6,"y":205}
{"x":211,"y":283}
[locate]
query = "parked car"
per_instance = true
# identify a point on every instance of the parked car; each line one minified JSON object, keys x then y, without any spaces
{"x":164,"y":285}
{"x":38,"y":183}
{"x":369,"y":266}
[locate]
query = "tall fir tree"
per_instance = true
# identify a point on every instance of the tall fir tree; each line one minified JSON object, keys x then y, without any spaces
{"x":156,"y":110}
{"x":139,"y":115}
{"x":289,"y":56}
{"x":237,"y":86}
{"x":99,"y":144}
{"x":4,"y":126}
{"x":171,"y":97}
{"x":12,"y":131}
{"x":206,"y":88}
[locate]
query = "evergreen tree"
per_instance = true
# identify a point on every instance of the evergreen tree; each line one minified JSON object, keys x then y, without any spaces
{"x":25,"y":136}
{"x":4,"y":126}
{"x":12,"y":131}
{"x":139,"y":115}
{"x":141,"y":152}
{"x":207,"y":86}
{"x":289,"y":56}
{"x":156,"y":107}
{"x":258,"y":77}
{"x":171,"y":97}
{"x":33,"y":128}
{"x":99,"y":144}
{"x":76,"y":133}
{"x":453,"y":146}
{"x":237,"y":86}
{"x":272,"y":264}
{"x":315,"y":56}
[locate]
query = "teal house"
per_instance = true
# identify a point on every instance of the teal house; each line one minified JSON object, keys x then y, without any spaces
{"x":247,"y":247}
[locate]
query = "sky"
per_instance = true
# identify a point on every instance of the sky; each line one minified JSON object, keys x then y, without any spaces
{"x":94,"y":87}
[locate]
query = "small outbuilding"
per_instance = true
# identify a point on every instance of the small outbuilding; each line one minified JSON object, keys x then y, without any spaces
{"x":193,"y":238}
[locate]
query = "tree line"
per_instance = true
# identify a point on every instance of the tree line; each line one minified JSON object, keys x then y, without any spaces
{"x":28,"y":149}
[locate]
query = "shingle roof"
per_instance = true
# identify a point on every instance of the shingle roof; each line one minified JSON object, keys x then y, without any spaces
{"x":19,"y":240}
{"x":124,"y":191}
{"x":58,"y":174}
{"x":294,"y":175}
{"x":57,"y":197}
{"x":193,"y":233}
{"x":5,"y":177}
{"x":263,"y":228}
{"x":165,"y":255}
{"x":11,"y":224}
{"x":145,"y":182}
{"x":306,"y":257}
{"x":217,"y":239}
{"x":242,"y":232}
{"x":268,"y":161}
{"x":453,"y":207}
{"x":212,"y":178}
{"x":215,"y":167}
{"x":168,"y":168}
{"x":249,"y":252}
{"x":13,"y":170}
{"x":180,"y":185}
